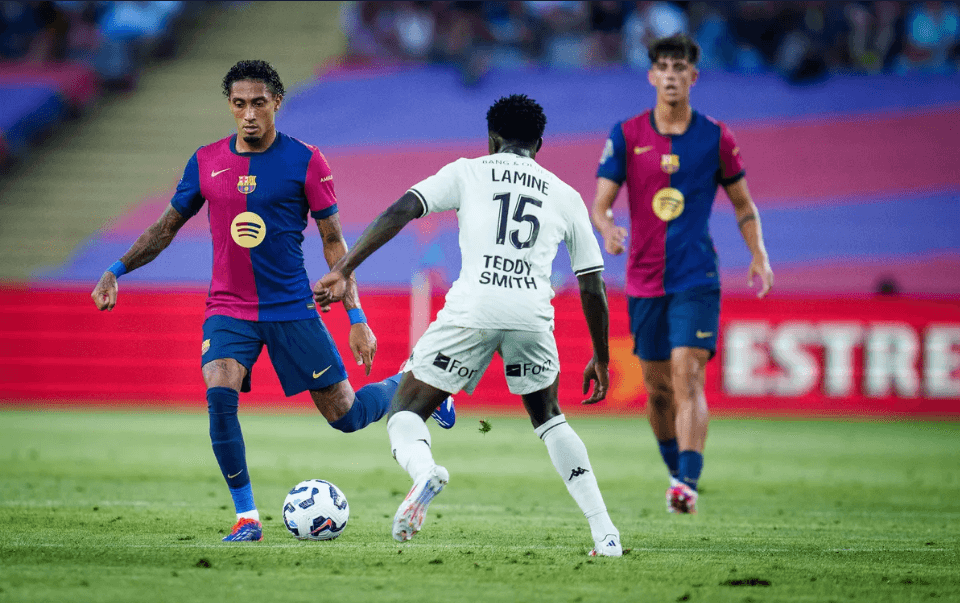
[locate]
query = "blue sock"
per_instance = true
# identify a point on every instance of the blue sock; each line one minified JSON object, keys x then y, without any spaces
{"x":691,"y":464}
{"x":227,"y":440}
{"x":670,"y":451}
{"x":371,"y":403}
{"x":243,"y":498}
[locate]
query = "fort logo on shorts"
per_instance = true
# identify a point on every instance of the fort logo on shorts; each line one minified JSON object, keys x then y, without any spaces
{"x":527,"y":368}
{"x":247,"y":184}
{"x":248,"y":229}
{"x":452,"y":365}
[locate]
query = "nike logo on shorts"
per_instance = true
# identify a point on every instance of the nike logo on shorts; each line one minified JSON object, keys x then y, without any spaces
{"x":317,"y":375}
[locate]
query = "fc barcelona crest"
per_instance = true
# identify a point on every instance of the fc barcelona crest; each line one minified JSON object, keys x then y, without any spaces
{"x":247,"y":184}
{"x":670,"y":163}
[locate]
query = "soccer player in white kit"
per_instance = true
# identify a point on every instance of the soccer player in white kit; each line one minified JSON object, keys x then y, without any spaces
{"x":512,"y":215}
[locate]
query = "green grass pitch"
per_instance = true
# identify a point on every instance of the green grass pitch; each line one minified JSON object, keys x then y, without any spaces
{"x":130,"y":506}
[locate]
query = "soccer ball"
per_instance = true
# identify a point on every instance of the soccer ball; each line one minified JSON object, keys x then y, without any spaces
{"x":315,"y":510}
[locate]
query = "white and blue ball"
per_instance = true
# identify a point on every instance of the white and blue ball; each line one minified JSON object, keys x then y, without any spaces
{"x":315,"y":509}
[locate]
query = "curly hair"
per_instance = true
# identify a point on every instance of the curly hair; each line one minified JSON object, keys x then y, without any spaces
{"x":517,"y":118}
{"x":677,"y":46}
{"x":261,"y":71}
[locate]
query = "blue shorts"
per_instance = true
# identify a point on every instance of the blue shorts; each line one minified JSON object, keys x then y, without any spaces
{"x":302,"y":351}
{"x":685,"y":319}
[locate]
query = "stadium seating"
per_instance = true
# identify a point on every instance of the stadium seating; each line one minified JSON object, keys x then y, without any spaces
{"x":36,"y":97}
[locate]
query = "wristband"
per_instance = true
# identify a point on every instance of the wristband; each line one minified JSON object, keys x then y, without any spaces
{"x":356,"y":316}
{"x":118,"y":269}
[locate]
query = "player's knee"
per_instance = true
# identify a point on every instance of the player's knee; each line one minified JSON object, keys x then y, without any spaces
{"x":660,"y":401}
{"x":687,"y":377}
{"x":660,"y":392}
{"x":222,"y":400}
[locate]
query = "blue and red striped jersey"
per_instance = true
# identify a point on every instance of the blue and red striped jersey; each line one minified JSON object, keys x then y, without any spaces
{"x":258,"y":205}
{"x":671,"y":184}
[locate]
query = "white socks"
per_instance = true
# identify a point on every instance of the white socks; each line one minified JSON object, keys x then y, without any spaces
{"x":569,"y":456}
{"x":254,"y":514}
{"x":410,"y":441}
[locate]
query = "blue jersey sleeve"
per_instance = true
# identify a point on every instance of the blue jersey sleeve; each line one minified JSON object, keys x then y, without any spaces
{"x":613,"y":160}
{"x":188,"y":200}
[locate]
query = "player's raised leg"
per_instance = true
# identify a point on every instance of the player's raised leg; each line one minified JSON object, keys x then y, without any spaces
{"x":224,"y":378}
{"x":314,"y":364}
{"x":350,"y":411}
{"x":569,"y":457}
{"x":410,"y":442}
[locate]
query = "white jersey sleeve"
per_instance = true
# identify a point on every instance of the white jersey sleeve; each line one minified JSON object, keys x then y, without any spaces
{"x":442,"y":191}
{"x":581,"y":244}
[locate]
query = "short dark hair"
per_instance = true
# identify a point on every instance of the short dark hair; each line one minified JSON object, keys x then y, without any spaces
{"x":677,"y":46}
{"x":517,"y":118}
{"x":261,"y":71}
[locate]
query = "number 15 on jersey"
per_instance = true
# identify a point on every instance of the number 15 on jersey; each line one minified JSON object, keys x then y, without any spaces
{"x":518,"y":216}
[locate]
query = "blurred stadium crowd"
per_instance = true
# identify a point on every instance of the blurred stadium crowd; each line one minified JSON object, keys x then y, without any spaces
{"x":800,"y":40}
{"x":58,"y":58}
{"x":113,"y":38}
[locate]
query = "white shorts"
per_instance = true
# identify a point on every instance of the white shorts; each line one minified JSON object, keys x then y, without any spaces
{"x":453,"y":358}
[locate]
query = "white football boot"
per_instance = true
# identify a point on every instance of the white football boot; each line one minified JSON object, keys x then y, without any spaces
{"x":413,"y":510}
{"x":608,"y":546}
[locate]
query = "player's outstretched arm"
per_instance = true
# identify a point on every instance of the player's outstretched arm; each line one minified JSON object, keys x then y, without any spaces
{"x":148,"y":246}
{"x":363,"y":343}
{"x":332,"y":287}
{"x":593,"y":298}
{"x":602,"y":216}
{"x":748,"y":219}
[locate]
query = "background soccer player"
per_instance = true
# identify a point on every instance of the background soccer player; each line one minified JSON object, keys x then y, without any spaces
{"x":261,"y":184}
{"x":672,"y":160}
{"x":512,"y":215}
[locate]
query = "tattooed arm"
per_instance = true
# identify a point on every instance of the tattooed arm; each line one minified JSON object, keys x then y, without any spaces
{"x":148,"y":246}
{"x":363,"y":343}
{"x":748,"y":220}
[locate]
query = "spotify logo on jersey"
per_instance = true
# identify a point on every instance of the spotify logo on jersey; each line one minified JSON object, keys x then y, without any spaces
{"x":248,"y":229}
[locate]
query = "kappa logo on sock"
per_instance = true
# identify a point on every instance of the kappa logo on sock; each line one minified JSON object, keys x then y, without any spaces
{"x":577,"y":473}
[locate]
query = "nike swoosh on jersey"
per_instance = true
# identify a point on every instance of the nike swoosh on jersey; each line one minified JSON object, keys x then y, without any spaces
{"x":704,"y":334}
{"x":215,"y":174}
{"x":316,"y":375}
{"x":641,"y":150}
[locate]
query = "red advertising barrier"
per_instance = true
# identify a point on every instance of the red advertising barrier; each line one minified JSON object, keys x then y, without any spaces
{"x":780,"y":356}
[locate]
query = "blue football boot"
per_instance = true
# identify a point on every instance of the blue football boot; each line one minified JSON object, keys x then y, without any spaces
{"x":245,"y":530}
{"x":446,"y":414}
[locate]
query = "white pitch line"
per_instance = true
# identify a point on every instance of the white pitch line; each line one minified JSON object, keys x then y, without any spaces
{"x":463,"y":547}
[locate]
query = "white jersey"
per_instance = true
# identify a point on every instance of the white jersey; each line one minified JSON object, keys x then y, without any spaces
{"x":512,"y":214}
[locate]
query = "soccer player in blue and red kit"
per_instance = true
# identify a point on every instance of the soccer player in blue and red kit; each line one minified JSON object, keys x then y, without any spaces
{"x":672,"y":160}
{"x":260,"y":186}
